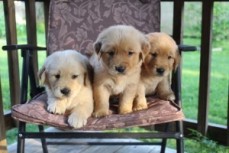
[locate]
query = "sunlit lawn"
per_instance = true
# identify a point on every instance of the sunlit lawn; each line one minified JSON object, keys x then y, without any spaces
{"x":218,"y":83}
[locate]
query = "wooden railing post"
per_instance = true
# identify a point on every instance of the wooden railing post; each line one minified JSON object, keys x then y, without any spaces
{"x":205,"y":66}
{"x":46,"y":15}
{"x":3,"y":144}
{"x":178,"y":12}
{"x":11,"y":38}
{"x":176,"y":80}
{"x":30,"y":11}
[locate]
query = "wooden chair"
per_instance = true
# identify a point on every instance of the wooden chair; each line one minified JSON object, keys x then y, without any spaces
{"x":75,"y":24}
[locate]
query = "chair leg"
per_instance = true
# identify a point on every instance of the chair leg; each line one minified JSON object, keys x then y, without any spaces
{"x":164,"y":141}
{"x":180,"y":145}
{"x":163,"y":145}
{"x":21,"y":140}
{"x":180,"y":141}
{"x":43,"y":141}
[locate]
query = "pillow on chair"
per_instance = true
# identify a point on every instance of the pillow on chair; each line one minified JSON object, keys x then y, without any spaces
{"x":159,"y":111}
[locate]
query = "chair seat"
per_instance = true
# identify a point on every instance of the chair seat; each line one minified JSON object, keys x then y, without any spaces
{"x":159,"y":111}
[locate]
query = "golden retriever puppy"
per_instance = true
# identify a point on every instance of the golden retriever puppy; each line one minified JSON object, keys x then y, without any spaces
{"x":117,"y":61}
{"x":65,"y":75}
{"x":158,"y":64}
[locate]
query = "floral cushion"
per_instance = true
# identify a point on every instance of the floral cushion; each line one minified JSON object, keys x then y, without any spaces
{"x":75,"y":24}
{"x":159,"y":111}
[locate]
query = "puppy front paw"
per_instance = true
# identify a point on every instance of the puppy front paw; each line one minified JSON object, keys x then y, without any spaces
{"x":101,"y":113}
{"x":77,"y":120}
{"x":140,"y":106}
{"x":56,"y":108}
{"x":125,"y":109}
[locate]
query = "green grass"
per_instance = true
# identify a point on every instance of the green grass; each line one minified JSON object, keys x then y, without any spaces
{"x":198,"y":143}
{"x":218,"y":83}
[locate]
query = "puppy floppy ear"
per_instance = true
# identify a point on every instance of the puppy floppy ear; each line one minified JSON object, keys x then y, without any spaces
{"x":97,"y":47}
{"x":145,"y":48}
{"x":88,"y":76}
{"x":85,"y":79}
{"x":176,"y":60}
{"x":42,"y":75}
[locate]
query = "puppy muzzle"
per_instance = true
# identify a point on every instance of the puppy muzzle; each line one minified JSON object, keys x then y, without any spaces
{"x":120,"y":69}
{"x":65,"y":91}
{"x":160,"y":71}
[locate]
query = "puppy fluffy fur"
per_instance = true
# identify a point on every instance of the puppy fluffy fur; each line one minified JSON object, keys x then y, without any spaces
{"x":65,"y":75}
{"x":158,"y":64}
{"x":119,"y":52}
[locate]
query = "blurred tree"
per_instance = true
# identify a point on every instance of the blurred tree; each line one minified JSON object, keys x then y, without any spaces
{"x":221,"y":21}
{"x":2,"y":22}
{"x":192,"y":18}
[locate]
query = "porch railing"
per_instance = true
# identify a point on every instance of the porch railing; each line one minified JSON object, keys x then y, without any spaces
{"x":218,"y":133}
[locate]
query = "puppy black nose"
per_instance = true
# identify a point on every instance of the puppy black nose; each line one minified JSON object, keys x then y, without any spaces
{"x":65,"y":91}
{"x":120,"y":69}
{"x":160,"y":71}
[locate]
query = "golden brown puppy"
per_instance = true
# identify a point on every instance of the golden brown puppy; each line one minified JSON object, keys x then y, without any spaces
{"x":158,"y":64}
{"x":65,"y":76}
{"x":117,"y":60}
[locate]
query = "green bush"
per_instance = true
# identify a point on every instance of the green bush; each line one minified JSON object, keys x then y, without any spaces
{"x":2,"y":28}
{"x":2,"y":22}
{"x":192,"y":18}
{"x":21,"y":28}
{"x":40,"y":27}
{"x":221,"y":21}
{"x":203,"y":144}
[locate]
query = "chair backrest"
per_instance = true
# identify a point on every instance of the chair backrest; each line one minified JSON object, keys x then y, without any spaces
{"x":75,"y":24}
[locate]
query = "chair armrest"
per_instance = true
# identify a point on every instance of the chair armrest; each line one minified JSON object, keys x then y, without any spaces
{"x":187,"y":48}
{"x":27,"y":69}
{"x":22,"y":47}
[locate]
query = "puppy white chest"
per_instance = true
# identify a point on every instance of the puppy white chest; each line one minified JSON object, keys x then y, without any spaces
{"x":118,"y":89}
{"x":150,"y":85}
{"x":116,"y":86}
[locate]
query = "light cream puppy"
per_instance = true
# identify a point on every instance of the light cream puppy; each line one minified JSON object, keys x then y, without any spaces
{"x":117,"y":60}
{"x":65,"y":75}
{"x":158,"y":64}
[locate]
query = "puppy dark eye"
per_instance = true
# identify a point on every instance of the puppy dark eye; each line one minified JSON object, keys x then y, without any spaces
{"x":111,"y":53}
{"x":154,"y":55}
{"x":74,"y":76}
{"x":130,"y":53}
{"x":57,"y":76}
{"x":169,"y":57}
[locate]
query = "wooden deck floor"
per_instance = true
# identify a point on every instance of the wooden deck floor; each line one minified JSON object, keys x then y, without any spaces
{"x":34,"y":146}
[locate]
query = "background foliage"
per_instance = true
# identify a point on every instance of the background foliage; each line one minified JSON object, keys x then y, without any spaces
{"x":220,"y":20}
